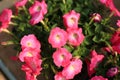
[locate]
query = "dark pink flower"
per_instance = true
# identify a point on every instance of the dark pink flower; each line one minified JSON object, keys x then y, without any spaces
{"x":71,"y":19}
{"x":61,"y":57}
{"x":115,"y":40}
{"x":72,"y":69}
{"x":95,"y":60}
{"x":37,"y":11}
{"x":59,"y":76}
{"x":5,"y":18}
{"x":112,"y":72}
{"x":28,"y":52}
{"x":30,"y":41}
{"x":57,"y":37}
{"x":32,"y":66}
{"x":111,"y":6}
{"x":98,"y":78}
{"x":20,"y":3}
{"x":75,"y":36}
{"x":97,"y":17}
{"x":118,"y":23}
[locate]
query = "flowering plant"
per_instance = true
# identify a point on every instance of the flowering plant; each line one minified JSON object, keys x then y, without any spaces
{"x":69,"y":40}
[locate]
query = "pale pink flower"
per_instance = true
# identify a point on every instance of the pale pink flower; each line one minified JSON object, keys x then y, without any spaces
{"x":98,"y":78}
{"x":75,"y":36}
{"x":28,"y":52}
{"x":71,"y":19}
{"x":61,"y":57}
{"x":5,"y":18}
{"x":112,"y":72}
{"x":37,"y":11}
{"x":97,"y":17}
{"x":95,"y":60}
{"x":118,"y":23}
{"x":30,"y":41}
{"x":57,"y":37}
{"x":72,"y":69}
{"x":59,"y":76}
{"x":38,"y":7}
{"x":20,"y":3}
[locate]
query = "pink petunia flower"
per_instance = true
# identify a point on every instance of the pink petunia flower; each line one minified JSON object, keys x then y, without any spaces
{"x":57,"y":37}
{"x":5,"y":18}
{"x":118,"y":23}
{"x":98,"y":78}
{"x":20,"y":3}
{"x":36,"y":18}
{"x":37,"y":11}
{"x":61,"y":57}
{"x":92,"y":64}
{"x":38,"y":7}
{"x":112,"y":72}
{"x":75,"y":36}
{"x":72,"y":69}
{"x":30,"y":41}
{"x":71,"y":19}
{"x":59,"y":76}
{"x":28,"y":52}
{"x":111,"y":6}
{"x":97,"y":17}
{"x":32,"y":66}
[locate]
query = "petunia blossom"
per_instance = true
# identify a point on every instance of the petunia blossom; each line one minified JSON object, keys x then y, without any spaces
{"x":30,"y":41}
{"x":57,"y":37}
{"x":28,"y":52}
{"x":75,"y":36}
{"x":98,"y":78}
{"x":112,"y":72}
{"x":5,"y":18}
{"x":70,"y":19}
{"x":95,"y":60}
{"x":32,"y":67}
{"x":72,"y":69}
{"x":37,"y":11}
{"x":97,"y":17}
{"x":20,"y":3}
{"x":59,"y":76}
{"x":62,"y":57}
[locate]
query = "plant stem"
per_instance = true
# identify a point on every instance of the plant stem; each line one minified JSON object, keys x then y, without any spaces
{"x":45,"y":25}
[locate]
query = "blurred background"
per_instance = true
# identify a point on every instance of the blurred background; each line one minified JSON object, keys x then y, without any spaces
{"x":7,"y":51}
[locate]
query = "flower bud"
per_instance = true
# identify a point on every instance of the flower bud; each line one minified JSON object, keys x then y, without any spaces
{"x":112,"y":72}
{"x":97,"y":17}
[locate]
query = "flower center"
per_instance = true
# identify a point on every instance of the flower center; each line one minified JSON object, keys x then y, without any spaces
{"x":38,"y":8}
{"x":57,"y":37}
{"x":75,"y":36}
{"x":29,"y":44}
{"x":29,"y":54}
{"x":72,"y":68}
{"x":72,"y":20}
{"x":62,"y":57}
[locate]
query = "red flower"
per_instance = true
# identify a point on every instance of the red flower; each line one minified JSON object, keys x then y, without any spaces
{"x":98,"y":78}
{"x":61,"y":57}
{"x":5,"y":18}
{"x":71,"y":19}
{"x":97,"y":17}
{"x":58,"y":37}
{"x":75,"y":36}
